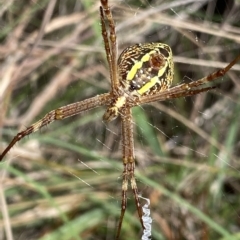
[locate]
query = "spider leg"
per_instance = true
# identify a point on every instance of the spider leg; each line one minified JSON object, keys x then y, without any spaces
{"x":111,"y":47}
{"x":188,"y":89}
{"x":187,"y":93}
{"x":106,"y":42}
{"x":215,"y":75}
{"x":59,"y":114}
{"x":175,"y":92}
{"x":129,"y":166}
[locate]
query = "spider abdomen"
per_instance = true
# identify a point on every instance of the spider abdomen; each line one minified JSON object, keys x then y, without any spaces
{"x":146,"y":68}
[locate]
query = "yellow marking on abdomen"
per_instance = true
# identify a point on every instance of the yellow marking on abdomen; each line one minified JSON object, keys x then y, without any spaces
{"x":138,"y":65}
{"x":162,"y":70}
{"x":148,"y":85}
{"x":133,"y":70}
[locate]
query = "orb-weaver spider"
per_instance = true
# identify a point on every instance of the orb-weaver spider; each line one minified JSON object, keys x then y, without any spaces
{"x":142,"y":74}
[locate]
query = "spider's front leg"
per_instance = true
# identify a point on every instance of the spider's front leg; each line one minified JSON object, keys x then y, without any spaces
{"x":128,"y":164}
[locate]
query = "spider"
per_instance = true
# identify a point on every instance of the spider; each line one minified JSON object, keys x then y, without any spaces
{"x":142,"y":74}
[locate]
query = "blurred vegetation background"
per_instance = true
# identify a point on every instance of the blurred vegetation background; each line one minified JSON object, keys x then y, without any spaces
{"x":64,"y":182}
